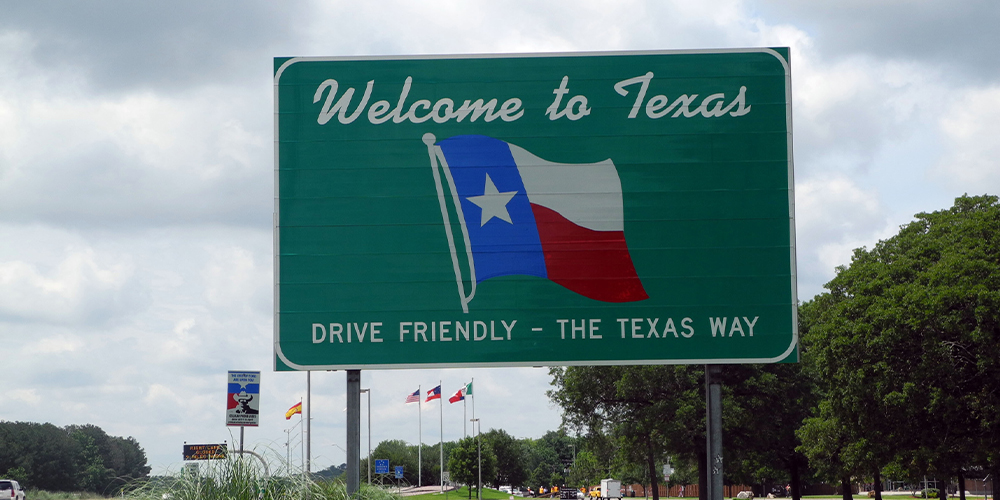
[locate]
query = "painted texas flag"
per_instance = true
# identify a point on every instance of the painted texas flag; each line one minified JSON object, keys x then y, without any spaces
{"x":521,"y":214}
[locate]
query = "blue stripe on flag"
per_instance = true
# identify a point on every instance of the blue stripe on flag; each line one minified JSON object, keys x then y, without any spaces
{"x":499,"y":248}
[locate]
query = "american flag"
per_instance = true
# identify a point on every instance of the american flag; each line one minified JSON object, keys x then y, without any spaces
{"x":414,"y":398}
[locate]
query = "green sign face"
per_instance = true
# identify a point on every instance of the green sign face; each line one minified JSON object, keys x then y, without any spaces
{"x":525,"y":210}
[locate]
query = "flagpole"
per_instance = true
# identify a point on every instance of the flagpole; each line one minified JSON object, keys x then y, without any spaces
{"x":420,"y":434}
{"x":465,"y":416}
{"x":441,"y":441}
{"x":302,"y":429}
{"x":309,"y":434}
{"x":473,"y":398}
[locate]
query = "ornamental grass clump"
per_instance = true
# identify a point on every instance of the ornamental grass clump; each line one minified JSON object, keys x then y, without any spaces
{"x":244,"y":478}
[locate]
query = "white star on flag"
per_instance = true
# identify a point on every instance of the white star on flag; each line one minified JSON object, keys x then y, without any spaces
{"x":493,"y":202}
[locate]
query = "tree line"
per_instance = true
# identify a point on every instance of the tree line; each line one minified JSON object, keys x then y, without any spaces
{"x":899,"y":378}
{"x":506,"y":460}
{"x":71,"y":458}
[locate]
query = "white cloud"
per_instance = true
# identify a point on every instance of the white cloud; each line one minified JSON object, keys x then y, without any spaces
{"x":136,"y":157}
{"x":83,"y":287}
{"x":833,"y":216}
{"x":233,"y":279}
{"x":27,"y":396}
{"x":971,"y":133}
{"x":59,"y":344}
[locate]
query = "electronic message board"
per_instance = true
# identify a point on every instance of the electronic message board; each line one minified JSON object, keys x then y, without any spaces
{"x":204,"y":451}
{"x":534,"y":209}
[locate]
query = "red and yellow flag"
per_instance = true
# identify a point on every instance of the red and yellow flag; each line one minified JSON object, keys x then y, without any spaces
{"x":293,"y":410}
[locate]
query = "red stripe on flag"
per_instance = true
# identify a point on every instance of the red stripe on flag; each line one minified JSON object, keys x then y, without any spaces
{"x":595,"y":264}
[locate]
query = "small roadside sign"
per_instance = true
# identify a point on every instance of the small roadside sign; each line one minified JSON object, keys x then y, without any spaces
{"x":399,"y":472}
{"x":381,"y":466}
{"x":243,"y":400}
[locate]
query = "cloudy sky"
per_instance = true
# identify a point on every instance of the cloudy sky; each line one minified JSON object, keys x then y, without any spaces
{"x":136,"y":181}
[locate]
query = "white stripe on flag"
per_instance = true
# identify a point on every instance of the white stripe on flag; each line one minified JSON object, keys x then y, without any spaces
{"x":588,"y":194}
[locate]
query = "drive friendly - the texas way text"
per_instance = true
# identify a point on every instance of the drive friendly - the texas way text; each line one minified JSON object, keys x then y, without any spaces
{"x":567,"y":329}
{"x":574,"y":108}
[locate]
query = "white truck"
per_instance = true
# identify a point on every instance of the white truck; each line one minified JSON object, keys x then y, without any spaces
{"x":611,"y":488}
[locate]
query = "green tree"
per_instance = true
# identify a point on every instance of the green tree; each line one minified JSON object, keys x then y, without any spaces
{"x":547,"y":458}
{"x":542,"y":461}
{"x":430,"y":465}
{"x":465,"y":459}
{"x":908,"y":334}
{"x":46,"y":454}
{"x":398,"y":453}
{"x":128,"y":460}
{"x":107,"y":462}
{"x":510,"y":457}
{"x":763,"y":407}
{"x":586,"y":471}
{"x":834,"y":455}
{"x":92,"y":475}
{"x":18,"y":474}
{"x":650,"y":411}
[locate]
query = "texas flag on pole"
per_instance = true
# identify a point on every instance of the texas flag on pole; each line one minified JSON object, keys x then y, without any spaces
{"x":521,"y":214}
{"x":434,"y":393}
{"x":458,"y":396}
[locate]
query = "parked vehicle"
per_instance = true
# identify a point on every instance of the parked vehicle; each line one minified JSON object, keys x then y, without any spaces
{"x":10,"y":489}
{"x":611,"y":488}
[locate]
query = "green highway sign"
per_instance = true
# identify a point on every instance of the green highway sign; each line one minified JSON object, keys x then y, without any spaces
{"x":538,"y":209}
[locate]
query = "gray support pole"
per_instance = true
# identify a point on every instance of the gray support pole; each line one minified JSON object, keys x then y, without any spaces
{"x":713,"y":405}
{"x":353,"y":479}
{"x":309,"y":434}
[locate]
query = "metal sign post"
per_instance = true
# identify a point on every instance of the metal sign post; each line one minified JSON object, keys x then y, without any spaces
{"x":353,"y":480}
{"x":713,"y":430}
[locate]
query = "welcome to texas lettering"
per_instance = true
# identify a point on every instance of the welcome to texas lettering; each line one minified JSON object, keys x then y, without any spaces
{"x":575,"y":108}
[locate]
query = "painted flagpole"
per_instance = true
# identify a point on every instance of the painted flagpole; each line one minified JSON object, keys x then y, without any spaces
{"x":441,"y":441}
{"x":420,"y":433}
{"x":302,"y":430}
{"x":309,"y":434}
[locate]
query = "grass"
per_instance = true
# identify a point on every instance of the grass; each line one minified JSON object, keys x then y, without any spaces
{"x":463,"y":494}
{"x":34,"y":494}
{"x":244,"y":479}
